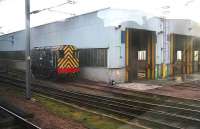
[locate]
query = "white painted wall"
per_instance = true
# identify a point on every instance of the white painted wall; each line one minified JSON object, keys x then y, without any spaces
{"x":140,"y":20}
{"x":100,"y":29}
{"x":85,"y":31}
{"x":97,"y":30}
{"x":102,"y":74}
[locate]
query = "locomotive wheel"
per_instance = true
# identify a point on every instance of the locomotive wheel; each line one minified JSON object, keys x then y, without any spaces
{"x":54,"y":76}
{"x":72,"y":77}
{"x":35,"y":75}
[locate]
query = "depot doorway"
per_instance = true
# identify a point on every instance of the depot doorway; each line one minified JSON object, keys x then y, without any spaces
{"x":140,"y":54}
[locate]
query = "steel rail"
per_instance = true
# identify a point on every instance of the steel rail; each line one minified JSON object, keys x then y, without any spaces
{"x":145,"y":96}
{"x":127,"y":100}
{"x":130,"y":112}
{"x":106,"y":105}
{"x":134,"y":102}
{"x":137,"y":104}
{"x":27,"y":124}
{"x":141,"y":98}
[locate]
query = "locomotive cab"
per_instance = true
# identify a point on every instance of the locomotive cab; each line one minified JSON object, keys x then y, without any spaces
{"x":54,"y":62}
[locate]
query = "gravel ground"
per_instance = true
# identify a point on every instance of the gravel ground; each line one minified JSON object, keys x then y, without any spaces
{"x":168,"y":88}
{"x":42,"y":117}
{"x":178,"y":91}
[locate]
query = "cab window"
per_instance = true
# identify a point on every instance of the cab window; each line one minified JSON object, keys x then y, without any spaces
{"x":61,"y":54}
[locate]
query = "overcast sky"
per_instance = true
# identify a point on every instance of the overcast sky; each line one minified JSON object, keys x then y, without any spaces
{"x":12,"y":11}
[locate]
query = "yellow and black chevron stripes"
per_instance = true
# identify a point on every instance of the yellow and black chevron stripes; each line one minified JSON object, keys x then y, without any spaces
{"x":69,"y":60}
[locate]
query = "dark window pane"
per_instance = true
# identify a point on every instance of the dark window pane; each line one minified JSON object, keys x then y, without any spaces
{"x":61,"y":54}
{"x":93,"y":57}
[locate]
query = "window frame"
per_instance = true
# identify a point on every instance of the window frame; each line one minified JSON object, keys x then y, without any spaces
{"x":142,"y":55}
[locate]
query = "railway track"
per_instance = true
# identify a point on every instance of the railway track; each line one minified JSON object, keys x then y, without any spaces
{"x":139,"y":95}
{"x":138,"y":110}
{"x":193,"y":84}
{"x":10,"y":120}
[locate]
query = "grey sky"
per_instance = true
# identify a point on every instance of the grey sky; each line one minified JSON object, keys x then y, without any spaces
{"x":12,"y":11}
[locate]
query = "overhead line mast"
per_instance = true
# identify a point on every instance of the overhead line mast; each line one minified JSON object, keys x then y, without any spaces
{"x":27,"y":51}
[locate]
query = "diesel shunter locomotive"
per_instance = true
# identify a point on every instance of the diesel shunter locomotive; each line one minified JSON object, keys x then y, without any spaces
{"x":56,"y":61}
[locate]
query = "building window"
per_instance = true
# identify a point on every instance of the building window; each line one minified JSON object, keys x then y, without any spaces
{"x":142,"y":55}
{"x":123,"y":37}
{"x":196,"y":55}
{"x":179,"y":55}
{"x":12,"y":55}
{"x":96,"y":57}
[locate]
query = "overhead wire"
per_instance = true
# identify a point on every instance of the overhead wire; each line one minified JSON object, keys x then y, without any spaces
{"x":52,"y":7}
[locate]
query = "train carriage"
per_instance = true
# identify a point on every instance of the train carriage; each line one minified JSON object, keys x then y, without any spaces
{"x":56,"y":61}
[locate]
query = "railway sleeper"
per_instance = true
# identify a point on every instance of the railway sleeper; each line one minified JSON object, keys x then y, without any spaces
{"x":148,"y":107}
{"x":144,"y":96}
{"x":146,"y":122}
{"x":168,"y":109}
{"x":119,"y":112}
{"x":153,"y":99}
{"x":126,"y":113}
